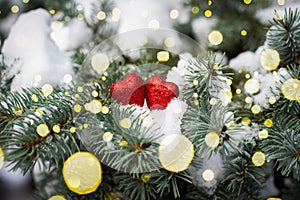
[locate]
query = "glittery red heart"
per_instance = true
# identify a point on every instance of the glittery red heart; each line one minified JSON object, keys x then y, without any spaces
{"x":130,"y":90}
{"x":159,"y":93}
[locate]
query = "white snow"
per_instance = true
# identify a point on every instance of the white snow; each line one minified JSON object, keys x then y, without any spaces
{"x":176,"y":74}
{"x":266,"y":15}
{"x":161,"y":122}
{"x":215,"y":164}
{"x":168,"y":121}
{"x":248,"y":61}
{"x":71,"y":35}
{"x":139,"y":14}
{"x":137,"y":17}
{"x":40,"y":60}
{"x":269,"y":81}
{"x":201,"y":27}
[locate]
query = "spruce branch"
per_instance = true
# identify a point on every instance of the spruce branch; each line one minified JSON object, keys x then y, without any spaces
{"x":169,"y":182}
{"x":197,"y":122}
{"x":134,"y":187}
{"x":282,"y":106}
{"x":5,"y":78}
{"x":24,"y":146}
{"x":140,"y":152}
{"x":243,"y":178}
{"x":284,"y":36}
{"x":283,"y":145}
{"x":66,"y":7}
{"x":205,"y":76}
{"x":197,"y":193}
{"x":132,"y":149}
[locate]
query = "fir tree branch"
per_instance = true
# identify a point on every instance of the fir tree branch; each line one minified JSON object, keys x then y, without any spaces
{"x":284,"y":36}
{"x":20,"y":136}
{"x":283,"y":145}
{"x":242,"y":174}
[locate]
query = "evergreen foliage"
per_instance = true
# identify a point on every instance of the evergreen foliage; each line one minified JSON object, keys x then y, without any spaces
{"x":133,"y":171}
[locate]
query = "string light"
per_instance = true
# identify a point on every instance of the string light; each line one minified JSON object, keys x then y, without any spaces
{"x":52,"y":12}
{"x":101,"y":15}
{"x":252,"y":86}
{"x":163,"y":56}
{"x":56,"y":128}
{"x":42,"y":130}
{"x":123,"y":143}
{"x":148,"y":121}
{"x":107,"y":136}
{"x":145,"y":177}
{"x":79,"y":89}
{"x":95,"y":93}
{"x":67,"y":78}
{"x":246,"y":121}
{"x":169,"y":42}
{"x":57,"y":197}
{"x":34,"y":98}
{"x":207,"y":13}
{"x":37,"y":78}
{"x":272,"y":100}
{"x":125,"y":123}
{"x":195,"y":82}
{"x":247,"y":1}
{"x":15,"y":9}
{"x":1,"y":158}
{"x":116,"y":14}
{"x":100,"y":62}
{"x":195,"y":10}
{"x":243,"y":32}
{"x":208,"y":175}
{"x":77,"y":108}
{"x":103,"y":78}
{"x":213,"y":101}
{"x":268,"y":123}
{"x":47,"y":89}
{"x":215,"y":37}
{"x":269,"y":59}
{"x":212,"y":139}
{"x":105,"y":110}
{"x":79,"y":7}
{"x":72,"y":130}
{"x":80,"y":16}
{"x":281,"y":2}
{"x":174,"y":14}
{"x":258,"y":159}
{"x":255,"y":109}
{"x":95,"y":106}
{"x":154,"y":24}
{"x":263,"y":134}
{"x":248,"y":99}
{"x":39,"y":112}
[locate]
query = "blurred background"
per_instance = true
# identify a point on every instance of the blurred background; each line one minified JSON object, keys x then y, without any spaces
{"x":243,"y":24}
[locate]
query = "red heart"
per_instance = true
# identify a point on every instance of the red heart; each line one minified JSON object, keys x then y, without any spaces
{"x":159,"y":93}
{"x":130,"y":90}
